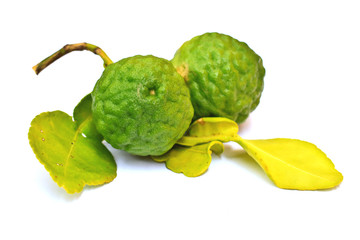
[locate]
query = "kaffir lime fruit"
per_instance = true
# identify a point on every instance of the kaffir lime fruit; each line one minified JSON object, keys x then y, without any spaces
{"x":224,"y":75}
{"x":142,"y":105}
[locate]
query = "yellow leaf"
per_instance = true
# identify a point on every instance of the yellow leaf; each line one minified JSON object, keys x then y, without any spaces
{"x":210,"y":129}
{"x":290,"y":163}
{"x":293,"y":164}
{"x":191,"y":161}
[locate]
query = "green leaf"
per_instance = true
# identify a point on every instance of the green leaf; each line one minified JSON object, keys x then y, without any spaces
{"x":72,"y":159}
{"x":83,"y":116}
{"x":293,"y":164}
{"x":210,"y":129}
{"x":191,"y":161}
{"x":82,"y":111}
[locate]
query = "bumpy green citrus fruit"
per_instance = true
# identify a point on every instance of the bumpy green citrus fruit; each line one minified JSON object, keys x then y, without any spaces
{"x":141,"y":105}
{"x":224,"y":75}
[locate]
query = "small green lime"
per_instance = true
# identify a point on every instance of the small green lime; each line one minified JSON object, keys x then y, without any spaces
{"x":224,"y":75}
{"x":142,"y":105}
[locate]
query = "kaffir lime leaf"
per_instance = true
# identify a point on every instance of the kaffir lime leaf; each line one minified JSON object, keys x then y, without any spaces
{"x":224,"y":75}
{"x":142,"y":105}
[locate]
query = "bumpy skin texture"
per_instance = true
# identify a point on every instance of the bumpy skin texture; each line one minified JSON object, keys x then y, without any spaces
{"x":225,"y":76}
{"x":142,"y":105}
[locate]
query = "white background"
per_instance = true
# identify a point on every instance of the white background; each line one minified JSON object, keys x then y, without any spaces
{"x":311,"y":54}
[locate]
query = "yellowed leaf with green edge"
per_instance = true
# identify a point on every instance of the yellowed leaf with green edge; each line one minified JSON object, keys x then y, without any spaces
{"x":209,"y":129}
{"x":293,"y":164}
{"x":191,"y":161}
{"x":72,"y":158}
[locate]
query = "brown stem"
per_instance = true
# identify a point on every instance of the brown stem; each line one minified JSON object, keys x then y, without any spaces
{"x":69,"y":48}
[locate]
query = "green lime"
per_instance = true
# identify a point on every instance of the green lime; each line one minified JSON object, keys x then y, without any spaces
{"x":141,"y":105}
{"x":225,"y":76}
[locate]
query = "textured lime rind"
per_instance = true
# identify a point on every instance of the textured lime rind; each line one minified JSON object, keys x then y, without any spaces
{"x":142,"y":105}
{"x":224,"y":75}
